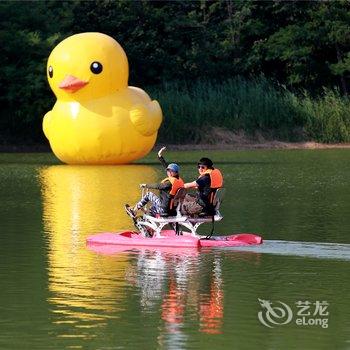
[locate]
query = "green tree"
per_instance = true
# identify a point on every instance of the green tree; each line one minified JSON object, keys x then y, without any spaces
{"x":28,"y":31}
{"x":312,"y":48}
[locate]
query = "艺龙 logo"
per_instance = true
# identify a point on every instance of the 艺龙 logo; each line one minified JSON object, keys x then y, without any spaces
{"x":274,"y":315}
{"x":279,"y":313}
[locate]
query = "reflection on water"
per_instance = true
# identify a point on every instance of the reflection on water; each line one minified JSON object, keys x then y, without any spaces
{"x":90,"y":199}
{"x":212,"y":306}
{"x":170,"y":280}
{"x":77,"y":201}
{"x":186,"y":287}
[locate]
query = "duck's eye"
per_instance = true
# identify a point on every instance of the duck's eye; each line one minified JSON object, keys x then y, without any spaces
{"x":96,"y":67}
{"x":50,"y":72}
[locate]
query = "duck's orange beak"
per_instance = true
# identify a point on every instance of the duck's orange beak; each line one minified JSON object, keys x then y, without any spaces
{"x":71,"y":83}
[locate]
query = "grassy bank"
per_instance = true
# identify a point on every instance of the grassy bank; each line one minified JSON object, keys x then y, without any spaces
{"x":236,"y":111}
{"x":206,"y":112}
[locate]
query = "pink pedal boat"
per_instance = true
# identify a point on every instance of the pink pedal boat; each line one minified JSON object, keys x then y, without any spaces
{"x":151,"y":233}
{"x":168,"y":238}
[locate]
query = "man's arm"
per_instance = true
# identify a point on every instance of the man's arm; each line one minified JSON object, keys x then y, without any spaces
{"x":191,"y":184}
{"x":202,"y":182}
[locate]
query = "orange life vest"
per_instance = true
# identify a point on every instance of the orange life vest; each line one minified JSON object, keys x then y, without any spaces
{"x":216,"y":181}
{"x":176,"y":183}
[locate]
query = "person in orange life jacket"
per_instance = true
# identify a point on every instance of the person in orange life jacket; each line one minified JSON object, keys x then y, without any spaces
{"x":208,"y":181}
{"x":167,"y":190}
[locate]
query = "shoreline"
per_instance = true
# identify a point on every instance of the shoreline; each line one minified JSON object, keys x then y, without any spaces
{"x":267,"y":145}
{"x":237,"y":146}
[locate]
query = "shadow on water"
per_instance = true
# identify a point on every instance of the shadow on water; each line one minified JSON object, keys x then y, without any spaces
{"x":334,"y":251}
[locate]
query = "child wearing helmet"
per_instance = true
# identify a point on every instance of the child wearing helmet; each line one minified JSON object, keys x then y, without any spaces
{"x":167,"y":190}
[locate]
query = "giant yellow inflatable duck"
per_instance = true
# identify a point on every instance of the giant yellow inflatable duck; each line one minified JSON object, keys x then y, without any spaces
{"x":98,"y":118}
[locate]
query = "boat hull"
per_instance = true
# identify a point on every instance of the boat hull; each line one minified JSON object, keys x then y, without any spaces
{"x":168,"y":238}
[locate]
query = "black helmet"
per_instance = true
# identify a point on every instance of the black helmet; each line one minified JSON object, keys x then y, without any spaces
{"x":206,"y":161}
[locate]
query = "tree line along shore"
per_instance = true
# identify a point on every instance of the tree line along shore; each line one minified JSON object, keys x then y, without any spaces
{"x":224,"y":72}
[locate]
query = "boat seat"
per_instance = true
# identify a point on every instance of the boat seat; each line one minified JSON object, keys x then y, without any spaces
{"x":203,"y":219}
{"x":179,"y":197}
{"x":191,"y":223}
{"x":166,"y":219}
{"x":177,"y":201}
{"x":218,"y":198}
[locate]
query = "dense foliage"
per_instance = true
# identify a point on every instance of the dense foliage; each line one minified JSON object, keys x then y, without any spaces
{"x":238,"y":109}
{"x":302,"y":48}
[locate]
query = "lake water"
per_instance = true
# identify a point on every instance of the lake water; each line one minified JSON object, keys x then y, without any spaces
{"x":292,"y":292}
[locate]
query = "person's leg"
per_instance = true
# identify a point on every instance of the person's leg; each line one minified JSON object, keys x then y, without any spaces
{"x":156,"y":207}
{"x":150,"y":197}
